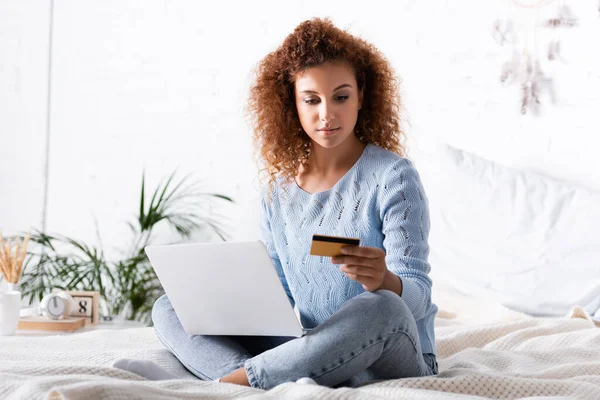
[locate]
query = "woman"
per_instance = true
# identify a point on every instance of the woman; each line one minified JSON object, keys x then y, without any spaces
{"x":324,"y":108}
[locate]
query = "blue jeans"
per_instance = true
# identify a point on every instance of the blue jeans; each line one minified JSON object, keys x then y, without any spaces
{"x":373,"y":336}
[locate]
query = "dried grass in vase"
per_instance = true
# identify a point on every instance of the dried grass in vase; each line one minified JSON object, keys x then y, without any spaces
{"x":11,"y":265}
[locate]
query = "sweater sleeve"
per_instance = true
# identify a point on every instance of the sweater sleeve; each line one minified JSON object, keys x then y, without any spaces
{"x":404,"y":214}
{"x":266,"y":235}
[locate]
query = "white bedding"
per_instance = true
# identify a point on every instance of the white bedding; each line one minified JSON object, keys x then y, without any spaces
{"x":484,"y":350}
{"x":515,"y":233}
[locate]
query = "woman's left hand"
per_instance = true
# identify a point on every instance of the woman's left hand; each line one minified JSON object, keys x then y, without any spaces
{"x":366,"y":265}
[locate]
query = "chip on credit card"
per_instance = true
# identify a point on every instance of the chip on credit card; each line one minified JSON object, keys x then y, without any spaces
{"x":329,"y":246}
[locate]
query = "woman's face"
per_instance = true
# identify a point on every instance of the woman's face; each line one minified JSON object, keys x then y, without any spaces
{"x":328,"y":100}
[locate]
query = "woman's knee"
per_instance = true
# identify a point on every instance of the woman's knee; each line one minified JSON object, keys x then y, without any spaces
{"x":383,"y":305}
{"x":162,"y":311}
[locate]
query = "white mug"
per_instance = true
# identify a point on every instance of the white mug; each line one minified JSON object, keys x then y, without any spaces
{"x":10,"y":304}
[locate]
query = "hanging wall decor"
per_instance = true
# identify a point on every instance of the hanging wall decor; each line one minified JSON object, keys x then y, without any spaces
{"x":522,"y":29}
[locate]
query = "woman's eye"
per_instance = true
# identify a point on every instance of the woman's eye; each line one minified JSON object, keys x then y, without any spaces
{"x":315,"y":101}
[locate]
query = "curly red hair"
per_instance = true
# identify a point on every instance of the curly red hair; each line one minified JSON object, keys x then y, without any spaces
{"x":282,"y":142}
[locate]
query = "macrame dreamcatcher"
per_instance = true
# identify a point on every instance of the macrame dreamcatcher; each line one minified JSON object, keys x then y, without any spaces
{"x":524,"y":66}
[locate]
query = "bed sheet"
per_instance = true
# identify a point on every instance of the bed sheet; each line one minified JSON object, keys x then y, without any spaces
{"x":484,"y":351}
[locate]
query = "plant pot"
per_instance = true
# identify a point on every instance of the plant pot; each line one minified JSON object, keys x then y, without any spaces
{"x":10,"y":305}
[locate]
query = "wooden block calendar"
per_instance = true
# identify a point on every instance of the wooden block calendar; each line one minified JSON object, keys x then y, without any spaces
{"x":87,"y":306}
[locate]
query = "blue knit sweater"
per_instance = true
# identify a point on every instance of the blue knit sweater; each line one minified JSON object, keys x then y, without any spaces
{"x":379,"y":200}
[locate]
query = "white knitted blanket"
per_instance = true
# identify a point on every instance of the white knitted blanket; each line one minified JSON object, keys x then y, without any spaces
{"x":484,"y":351}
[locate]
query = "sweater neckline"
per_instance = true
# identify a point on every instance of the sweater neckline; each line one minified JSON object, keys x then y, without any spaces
{"x":339,"y":182}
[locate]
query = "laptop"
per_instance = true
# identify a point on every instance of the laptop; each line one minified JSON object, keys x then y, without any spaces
{"x":225,"y":288}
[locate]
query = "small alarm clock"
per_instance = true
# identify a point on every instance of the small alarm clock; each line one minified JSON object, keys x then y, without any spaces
{"x":57,"y":305}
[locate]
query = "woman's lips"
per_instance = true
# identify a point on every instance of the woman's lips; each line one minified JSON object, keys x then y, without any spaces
{"x":328,"y":132}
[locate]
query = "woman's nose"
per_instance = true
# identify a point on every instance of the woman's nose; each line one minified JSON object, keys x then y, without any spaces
{"x":325,"y":112}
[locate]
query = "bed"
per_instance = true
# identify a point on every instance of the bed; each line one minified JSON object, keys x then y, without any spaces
{"x":516,"y":278}
{"x":485,"y":350}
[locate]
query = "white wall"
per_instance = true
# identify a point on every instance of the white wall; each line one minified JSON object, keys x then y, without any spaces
{"x":23,"y":112}
{"x":162,"y":84}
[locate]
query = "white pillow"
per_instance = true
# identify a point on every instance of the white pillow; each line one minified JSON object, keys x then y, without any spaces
{"x":530,"y":241}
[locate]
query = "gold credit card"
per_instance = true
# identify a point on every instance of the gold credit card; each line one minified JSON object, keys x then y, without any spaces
{"x":329,"y":246}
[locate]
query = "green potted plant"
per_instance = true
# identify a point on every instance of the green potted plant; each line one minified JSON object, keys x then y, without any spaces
{"x":128,"y":286}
